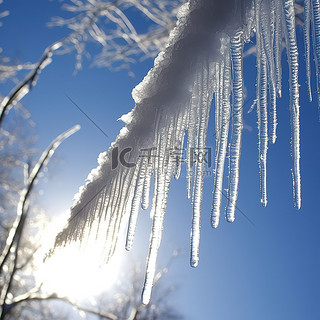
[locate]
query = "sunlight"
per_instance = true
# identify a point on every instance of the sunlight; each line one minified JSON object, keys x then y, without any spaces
{"x":75,"y":272}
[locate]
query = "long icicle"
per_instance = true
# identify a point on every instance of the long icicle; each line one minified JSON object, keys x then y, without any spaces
{"x":306,"y":31}
{"x":316,"y":43}
{"x":136,"y":204}
{"x":223,"y":142}
{"x":204,"y":107}
{"x":164,"y":176}
{"x":278,"y":46}
{"x":266,"y":18}
{"x":262,"y":114}
{"x":237,"y":124}
{"x":294,"y":98}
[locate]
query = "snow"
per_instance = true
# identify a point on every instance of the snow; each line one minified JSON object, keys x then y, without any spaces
{"x":202,"y":62}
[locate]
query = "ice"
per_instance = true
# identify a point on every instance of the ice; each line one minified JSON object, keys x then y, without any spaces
{"x":316,"y":42}
{"x":203,"y":62}
{"x":292,"y":48}
{"x":237,"y":124}
{"x":306,"y":30}
{"x":222,"y":142}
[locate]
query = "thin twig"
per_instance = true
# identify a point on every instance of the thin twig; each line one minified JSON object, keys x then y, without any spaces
{"x":28,"y":83}
{"x":36,"y":296}
{"x":21,"y":208}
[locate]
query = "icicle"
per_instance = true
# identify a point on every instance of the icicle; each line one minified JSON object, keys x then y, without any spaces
{"x":190,"y":146}
{"x":272,"y":78}
{"x":135,"y":205}
{"x":112,"y":222}
{"x":126,"y":195}
{"x":306,"y":30}
{"x":177,"y":152}
{"x":267,"y":42}
{"x":316,"y":41}
{"x":273,"y":115}
{"x":175,"y":97}
{"x":192,"y":129}
{"x":163,"y":181}
{"x":294,"y":94}
{"x":262,"y":126}
{"x":218,"y":107}
{"x":218,"y":101}
{"x":102,"y":218}
{"x":278,"y":45}
{"x":196,"y":197}
{"x":237,"y":124}
{"x":223,"y":141}
{"x":262,"y":114}
{"x":204,"y":106}
{"x":252,"y":106}
{"x":179,"y":159}
{"x":151,"y":166}
{"x":146,"y":186}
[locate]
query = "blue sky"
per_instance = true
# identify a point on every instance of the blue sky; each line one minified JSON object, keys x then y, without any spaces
{"x":269,"y":270}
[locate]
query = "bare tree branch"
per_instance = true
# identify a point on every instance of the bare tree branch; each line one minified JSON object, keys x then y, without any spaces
{"x":17,"y":227}
{"x":86,"y":24}
{"x":28,"y":83}
{"x":28,"y":259}
{"x":34,"y":296}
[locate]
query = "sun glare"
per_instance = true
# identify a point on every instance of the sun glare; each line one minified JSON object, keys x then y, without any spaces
{"x":76,"y":272}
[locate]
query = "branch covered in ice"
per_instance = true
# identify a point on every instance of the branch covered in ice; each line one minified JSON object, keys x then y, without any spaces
{"x":110,"y":24}
{"x":202,"y":62}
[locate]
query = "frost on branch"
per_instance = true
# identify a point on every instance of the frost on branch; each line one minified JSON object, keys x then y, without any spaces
{"x":111,"y":26}
{"x":202,"y":62}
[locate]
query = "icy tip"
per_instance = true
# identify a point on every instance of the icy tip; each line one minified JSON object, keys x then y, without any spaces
{"x":194,"y":263}
{"x":145,"y":297}
{"x":273,"y":139}
{"x":297,"y":204}
{"x":214,"y":223}
{"x":230,"y":219}
{"x":264,"y":203}
{"x":128,"y":245}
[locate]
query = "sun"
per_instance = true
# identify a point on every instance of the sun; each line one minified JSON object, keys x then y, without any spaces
{"x":76,"y":272}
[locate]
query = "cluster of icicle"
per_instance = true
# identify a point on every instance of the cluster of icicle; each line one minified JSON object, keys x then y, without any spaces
{"x":202,"y":62}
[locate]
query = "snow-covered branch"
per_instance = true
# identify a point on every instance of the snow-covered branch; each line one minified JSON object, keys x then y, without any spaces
{"x":202,"y":62}
{"x":164,"y":110}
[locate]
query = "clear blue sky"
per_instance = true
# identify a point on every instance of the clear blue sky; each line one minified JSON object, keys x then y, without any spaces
{"x":266,"y":271}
